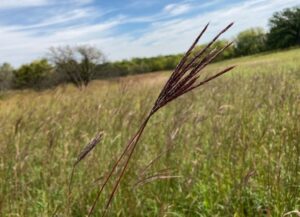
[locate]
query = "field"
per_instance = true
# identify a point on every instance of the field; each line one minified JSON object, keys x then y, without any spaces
{"x":230,"y":148}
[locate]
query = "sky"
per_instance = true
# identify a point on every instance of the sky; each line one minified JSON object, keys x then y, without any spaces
{"x":122,"y":29}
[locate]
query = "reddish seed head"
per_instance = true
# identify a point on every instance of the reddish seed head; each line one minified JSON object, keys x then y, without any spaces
{"x":184,"y":78}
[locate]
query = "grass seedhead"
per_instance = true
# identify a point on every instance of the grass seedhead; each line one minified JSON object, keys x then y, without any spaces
{"x":88,"y":148}
{"x":85,"y":151}
{"x":184,"y":78}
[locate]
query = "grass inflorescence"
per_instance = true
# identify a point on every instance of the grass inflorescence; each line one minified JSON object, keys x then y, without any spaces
{"x":183,"y":79}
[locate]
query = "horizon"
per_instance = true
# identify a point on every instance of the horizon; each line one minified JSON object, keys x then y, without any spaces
{"x":122,"y":29}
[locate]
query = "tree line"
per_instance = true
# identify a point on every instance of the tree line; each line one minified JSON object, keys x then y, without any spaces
{"x":80,"y":64}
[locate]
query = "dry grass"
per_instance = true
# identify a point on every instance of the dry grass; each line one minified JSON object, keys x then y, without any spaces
{"x":235,"y":145}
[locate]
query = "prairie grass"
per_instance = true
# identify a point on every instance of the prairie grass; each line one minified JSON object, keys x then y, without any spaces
{"x":235,"y":145}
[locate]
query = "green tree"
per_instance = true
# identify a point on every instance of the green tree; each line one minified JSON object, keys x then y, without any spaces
{"x":250,"y":41}
{"x":218,"y":45}
{"x":6,"y":76}
{"x":227,"y":53}
{"x":78,"y":64}
{"x":284,"y":29}
{"x":156,"y":64}
{"x":32,"y":75}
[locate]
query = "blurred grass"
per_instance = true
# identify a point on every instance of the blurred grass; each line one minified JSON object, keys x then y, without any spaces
{"x":234,"y":143}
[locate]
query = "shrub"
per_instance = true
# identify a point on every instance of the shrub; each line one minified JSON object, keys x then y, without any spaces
{"x":32,"y":75}
{"x":250,"y":41}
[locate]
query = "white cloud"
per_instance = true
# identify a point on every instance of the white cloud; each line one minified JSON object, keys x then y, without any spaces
{"x":177,"y":9}
{"x":19,"y":46}
{"x":174,"y":36}
{"x":4,"y":4}
{"x":66,"y":17}
{"x":10,"y":4}
{"x":164,"y":36}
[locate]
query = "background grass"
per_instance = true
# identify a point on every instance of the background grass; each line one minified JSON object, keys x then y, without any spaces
{"x":234,"y":143}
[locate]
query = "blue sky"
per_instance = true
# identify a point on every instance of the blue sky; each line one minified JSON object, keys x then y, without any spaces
{"x":122,"y":28}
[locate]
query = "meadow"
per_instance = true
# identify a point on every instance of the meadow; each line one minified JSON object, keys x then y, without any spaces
{"x":230,"y":148}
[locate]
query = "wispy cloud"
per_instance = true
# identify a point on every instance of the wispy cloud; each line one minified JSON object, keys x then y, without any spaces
{"x":64,"y":18}
{"x":177,"y":9}
{"x":123,"y":35}
{"x":11,"y":4}
{"x":6,"y":4}
{"x":174,"y":36}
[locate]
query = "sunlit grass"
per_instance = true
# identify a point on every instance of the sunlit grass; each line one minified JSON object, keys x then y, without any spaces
{"x":235,"y":144}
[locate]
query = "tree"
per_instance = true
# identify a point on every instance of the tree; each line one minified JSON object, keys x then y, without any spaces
{"x":227,"y":53}
{"x":250,"y":41}
{"x":32,"y":75}
{"x":284,"y":29}
{"x":218,"y":45}
{"x":6,"y":76}
{"x":77,"y":63}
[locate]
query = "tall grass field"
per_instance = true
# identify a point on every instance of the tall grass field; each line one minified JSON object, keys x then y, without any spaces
{"x":230,"y":148}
